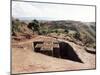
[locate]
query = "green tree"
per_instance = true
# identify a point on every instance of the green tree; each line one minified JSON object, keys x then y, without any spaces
{"x":15,"y":26}
{"x":66,"y":30}
{"x":34,"y":25}
{"x":77,"y":35}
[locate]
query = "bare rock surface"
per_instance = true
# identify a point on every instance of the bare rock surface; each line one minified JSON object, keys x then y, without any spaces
{"x":25,"y":60}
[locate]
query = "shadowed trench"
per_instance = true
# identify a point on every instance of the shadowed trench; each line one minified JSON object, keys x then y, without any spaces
{"x":65,"y":51}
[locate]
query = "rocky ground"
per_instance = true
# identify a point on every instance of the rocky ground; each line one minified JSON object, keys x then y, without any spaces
{"x":25,"y":60}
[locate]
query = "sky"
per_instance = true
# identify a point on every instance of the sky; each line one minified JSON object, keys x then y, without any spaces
{"x":46,"y":11}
